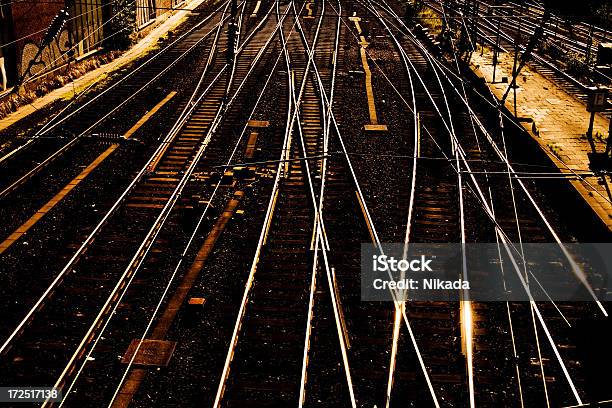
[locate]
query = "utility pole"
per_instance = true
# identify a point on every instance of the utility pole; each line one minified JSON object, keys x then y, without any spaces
{"x":475,"y":17}
{"x":588,"y":50}
{"x":525,"y":57}
{"x":231,"y":33}
{"x":496,"y":50}
{"x":609,"y":140}
{"x":467,"y":30}
{"x":596,"y":103}
{"x":493,"y":11}
{"x":517,"y":44}
{"x":607,"y":12}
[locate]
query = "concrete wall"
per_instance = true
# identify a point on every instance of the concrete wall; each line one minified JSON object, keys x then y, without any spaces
{"x":27,"y":20}
{"x":26,"y":24}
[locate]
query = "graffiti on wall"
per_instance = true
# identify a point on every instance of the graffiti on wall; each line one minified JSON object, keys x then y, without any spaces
{"x":51,"y":56}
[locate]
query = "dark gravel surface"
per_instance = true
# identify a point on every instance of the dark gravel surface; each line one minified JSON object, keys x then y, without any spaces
{"x":382,"y":164}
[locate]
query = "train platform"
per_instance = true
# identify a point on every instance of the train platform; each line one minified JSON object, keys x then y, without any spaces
{"x":558,"y":121}
{"x":141,"y":48}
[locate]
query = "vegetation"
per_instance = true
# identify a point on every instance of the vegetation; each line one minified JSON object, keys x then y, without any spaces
{"x":417,"y":12}
{"x":595,"y":11}
{"x":428,"y":18}
{"x":123,"y":26}
{"x":11,"y":102}
{"x":576,"y":65}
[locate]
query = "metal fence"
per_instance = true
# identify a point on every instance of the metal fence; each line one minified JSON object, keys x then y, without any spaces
{"x":87,"y":30}
{"x":145,"y":12}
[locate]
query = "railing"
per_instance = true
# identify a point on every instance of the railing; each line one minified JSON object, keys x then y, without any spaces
{"x":145,"y":12}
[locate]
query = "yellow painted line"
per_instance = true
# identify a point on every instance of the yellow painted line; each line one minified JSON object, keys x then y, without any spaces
{"x":148,"y":115}
{"x":137,"y":375}
{"x":254,"y":14}
{"x":363,"y":44}
{"x":309,"y":8}
{"x":368,"y":84}
{"x":356,"y":20}
{"x":55,"y":200}
{"x":250,"y":149}
{"x":25,"y":227}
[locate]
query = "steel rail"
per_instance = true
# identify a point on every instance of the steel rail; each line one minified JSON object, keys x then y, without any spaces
{"x":401,"y":308}
{"x":85,"y":245}
{"x":269,"y":212}
{"x":75,"y":139}
{"x":140,"y":255}
{"x":465,"y":305}
{"x":49,"y":126}
{"x":437,"y":65}
{"x":509,"y":315}
{"x":129,"y":273}
{"x":394,"y":293}
{"x":507,"y":243}
{"x":194,"y":233}
{"x":484,"y":204}
{"x":319,"y":226}
{"x":474,"y":117}
{"x":534,"y":55}
{"x":179,"y":263}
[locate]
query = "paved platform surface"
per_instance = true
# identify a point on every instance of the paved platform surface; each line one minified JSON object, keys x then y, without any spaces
{"x":141,"y":48}
{"x":561,"y":121}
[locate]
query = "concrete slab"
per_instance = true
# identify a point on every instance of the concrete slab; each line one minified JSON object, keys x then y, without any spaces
{"x":258,"y":123}
{"x":375,"y":128}
{"x":151,"y":352}
{"x":561,"y":121}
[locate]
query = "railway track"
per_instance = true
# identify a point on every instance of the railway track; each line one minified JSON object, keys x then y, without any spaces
{"x":99,"y":269}
{"x":108,"y":116}
{"x":97,"y":111}
{"x":386,"y":360}
{"x":545,"y":67}
{"x":451,"y":380}
{"x":215,"y":192}
{"x":526,"y":217}
{"x":73,"y":237}
{"x":434,"y":214}
{"x":275,"y":309}
{"x":279,"y":201}
{"x":487,"y":29}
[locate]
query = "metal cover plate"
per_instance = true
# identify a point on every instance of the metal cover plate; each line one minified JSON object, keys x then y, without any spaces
{"x":151,"y":353}
{"x":258,"y":123}
{"x":375,"y":128}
